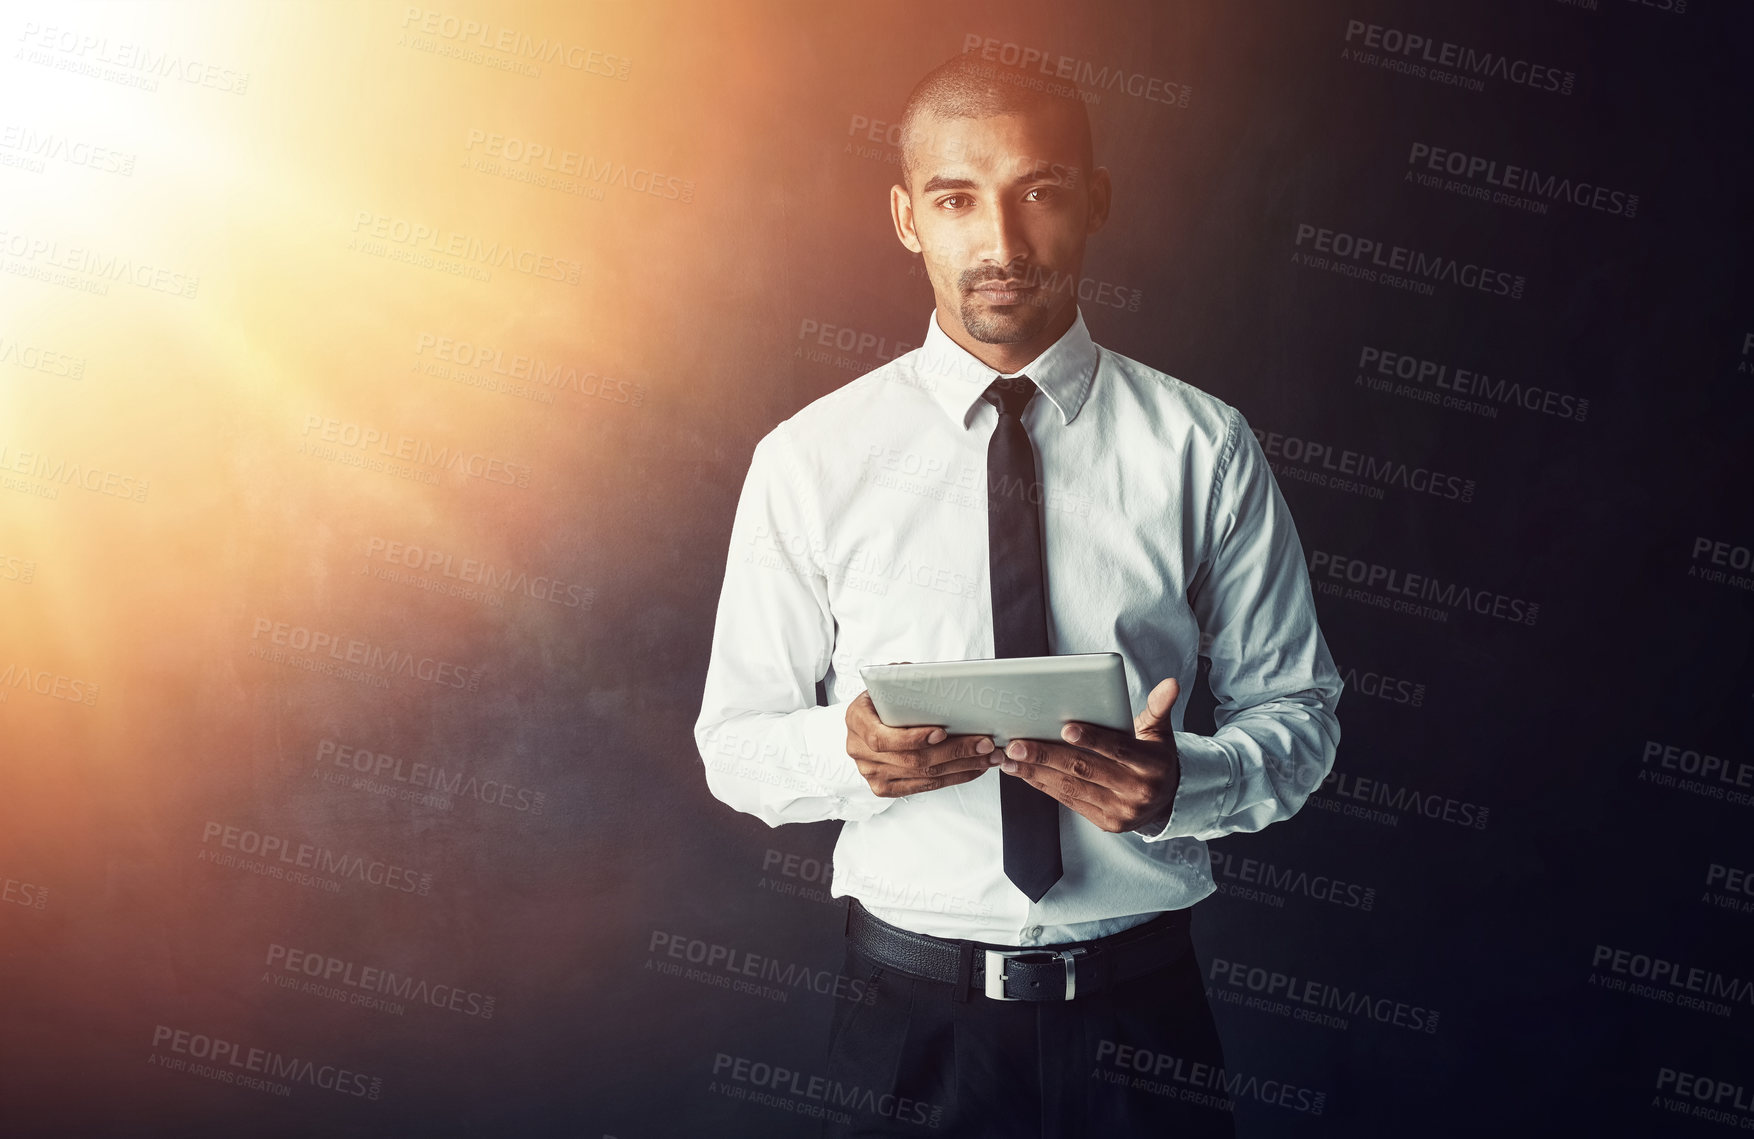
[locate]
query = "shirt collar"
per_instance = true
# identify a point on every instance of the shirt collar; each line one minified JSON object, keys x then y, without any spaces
{"x":1064,"y":372}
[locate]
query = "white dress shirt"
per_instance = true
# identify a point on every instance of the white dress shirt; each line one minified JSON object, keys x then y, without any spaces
{"x":861,"y":537}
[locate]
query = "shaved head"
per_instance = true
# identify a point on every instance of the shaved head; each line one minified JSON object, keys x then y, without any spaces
{"x":967,"y":87}
{"x":998,"y":193}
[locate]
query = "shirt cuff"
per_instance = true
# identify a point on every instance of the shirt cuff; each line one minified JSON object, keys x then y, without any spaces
{"x":1201,"y":797}
{"x":825,"y":734}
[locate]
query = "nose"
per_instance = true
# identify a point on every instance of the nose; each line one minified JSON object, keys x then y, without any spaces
{"x":1006,"y":242}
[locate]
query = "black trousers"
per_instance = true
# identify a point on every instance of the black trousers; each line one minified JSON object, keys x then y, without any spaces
{"x":1140,"y":1059}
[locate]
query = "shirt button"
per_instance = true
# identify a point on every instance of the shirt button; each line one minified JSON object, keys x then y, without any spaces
{"x":1032,"y":932}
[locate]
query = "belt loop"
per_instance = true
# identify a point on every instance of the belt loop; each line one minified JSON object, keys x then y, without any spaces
{"x":846,"y":926}
{"x":964,"y":971}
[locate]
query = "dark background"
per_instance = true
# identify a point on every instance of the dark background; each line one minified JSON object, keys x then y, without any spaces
{"x":707,"y":306}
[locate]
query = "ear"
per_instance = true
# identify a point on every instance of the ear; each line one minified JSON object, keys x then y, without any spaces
{"x":901,"y":212}
{"x":1100,"y":191}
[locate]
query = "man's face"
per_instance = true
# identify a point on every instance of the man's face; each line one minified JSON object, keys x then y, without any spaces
{"x":999,"y":209}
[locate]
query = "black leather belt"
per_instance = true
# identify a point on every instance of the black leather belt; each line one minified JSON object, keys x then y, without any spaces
{"x":1019,"y":973}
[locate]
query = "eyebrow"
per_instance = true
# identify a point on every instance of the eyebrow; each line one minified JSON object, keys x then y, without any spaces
{"x":940,"y":182}
{"x":1033,"y":177}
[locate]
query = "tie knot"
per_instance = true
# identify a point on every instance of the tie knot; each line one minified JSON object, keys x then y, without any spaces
{"x":1010,"y":394}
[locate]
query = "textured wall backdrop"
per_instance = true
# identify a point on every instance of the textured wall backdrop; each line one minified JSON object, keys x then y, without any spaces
{"x":376,"y":383}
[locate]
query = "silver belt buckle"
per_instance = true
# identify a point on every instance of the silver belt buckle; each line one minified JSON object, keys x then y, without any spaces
{"x":995,"y":974}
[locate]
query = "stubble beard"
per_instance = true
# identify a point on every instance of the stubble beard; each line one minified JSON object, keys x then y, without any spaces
{"x":1005,"y":324}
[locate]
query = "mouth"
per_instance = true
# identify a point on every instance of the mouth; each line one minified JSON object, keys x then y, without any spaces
{"x":1009,"y":292}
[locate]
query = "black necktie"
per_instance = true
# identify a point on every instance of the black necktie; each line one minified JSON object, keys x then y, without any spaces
{"x":1030,"y":817}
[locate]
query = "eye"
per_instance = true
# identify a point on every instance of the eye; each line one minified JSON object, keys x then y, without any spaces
{"x":1041,"y":194}
{"x":953,"y":202}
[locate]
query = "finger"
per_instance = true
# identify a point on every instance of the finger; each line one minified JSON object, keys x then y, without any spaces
{"x":1089,"y":799}
{"x":1106,"y":746}
{"x":1099,"y":817}
{"x":961,"y":753}
{"x":958,"y":753}
{"x":1154,"y":720}
{"x":897,"y":788}
{"x":862,"y":719}
{"x":1046,"y":759}
{"x":1112,"y":809}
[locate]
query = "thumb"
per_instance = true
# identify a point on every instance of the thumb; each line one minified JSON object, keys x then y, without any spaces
{"x":1153,"y":723}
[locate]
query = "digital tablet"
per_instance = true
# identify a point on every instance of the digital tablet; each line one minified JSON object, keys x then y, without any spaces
{"x":1027,"y":698}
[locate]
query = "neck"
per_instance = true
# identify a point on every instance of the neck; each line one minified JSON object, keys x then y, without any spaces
{"x":1007,"y":358}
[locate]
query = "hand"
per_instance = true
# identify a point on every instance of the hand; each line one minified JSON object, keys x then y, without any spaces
{"x":906,"y":761}
{"x":1117,"y":781}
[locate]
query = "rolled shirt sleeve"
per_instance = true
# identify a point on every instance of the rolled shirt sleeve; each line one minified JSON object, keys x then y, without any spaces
{"x":769,"y":750}
{"x":1272,"y":675}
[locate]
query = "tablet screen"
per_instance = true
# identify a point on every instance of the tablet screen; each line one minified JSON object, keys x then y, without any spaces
{"x":1007,"y":699}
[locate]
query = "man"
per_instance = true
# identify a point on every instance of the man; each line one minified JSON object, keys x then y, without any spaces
{"x":1009,"y":489}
